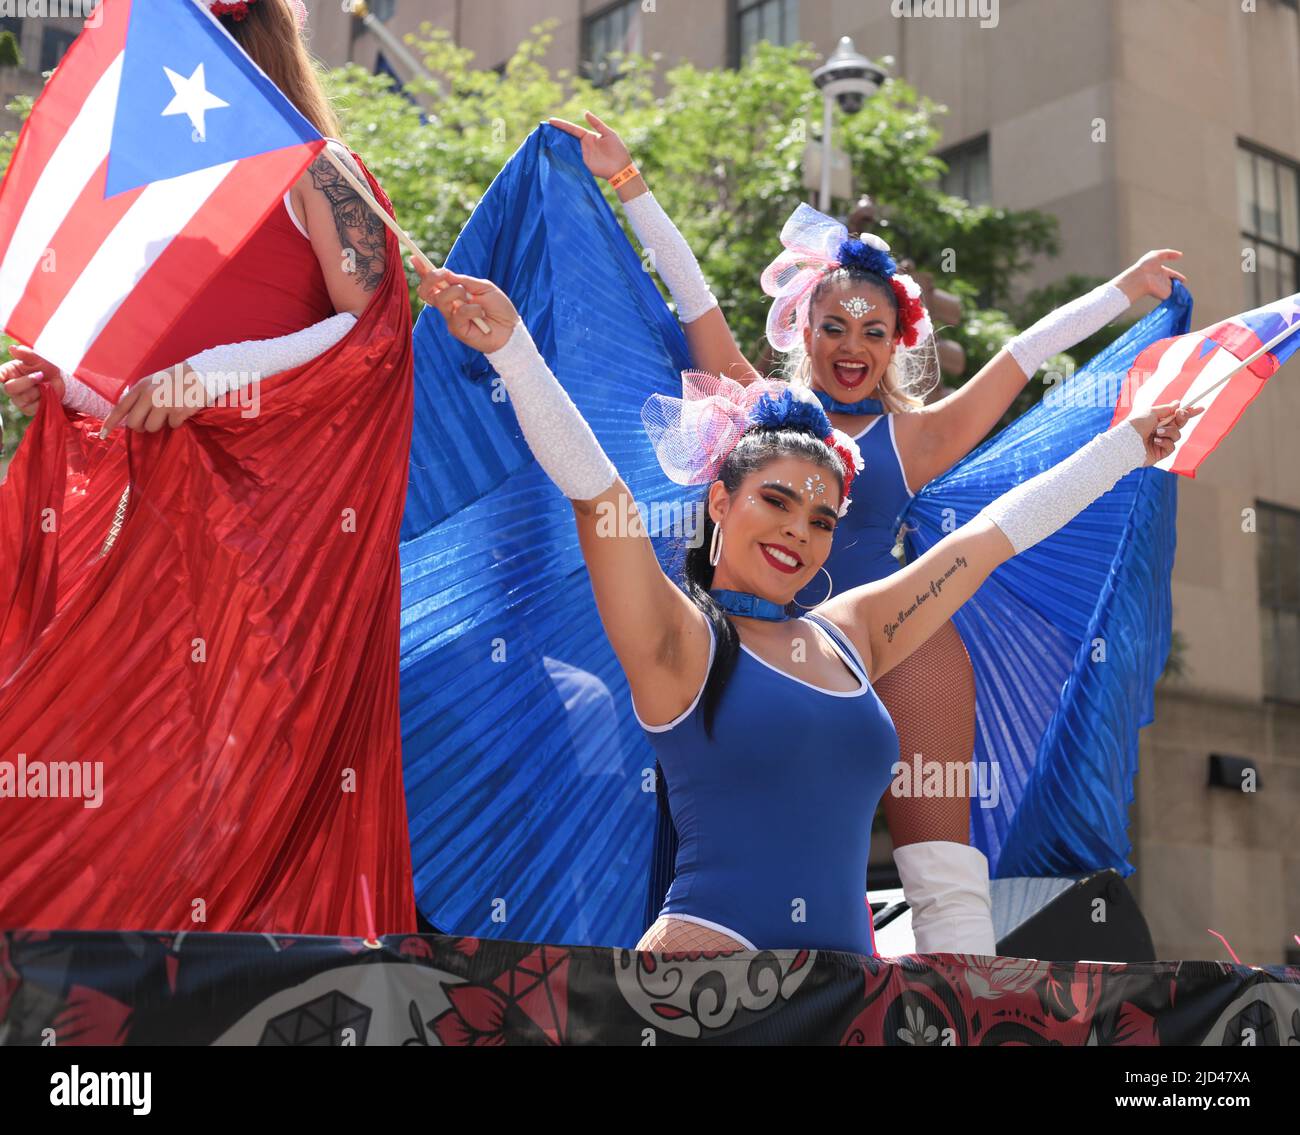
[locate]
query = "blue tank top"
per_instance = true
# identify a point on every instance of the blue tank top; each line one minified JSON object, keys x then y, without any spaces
{"x":864,"y":538}
{"x":774,"y":813}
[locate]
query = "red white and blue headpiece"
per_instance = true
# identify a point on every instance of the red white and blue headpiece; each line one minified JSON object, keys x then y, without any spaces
{"x":816,"y":245}
{"x":693,"y":434}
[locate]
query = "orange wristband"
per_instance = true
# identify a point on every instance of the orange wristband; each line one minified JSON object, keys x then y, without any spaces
{"x":626,"y":174}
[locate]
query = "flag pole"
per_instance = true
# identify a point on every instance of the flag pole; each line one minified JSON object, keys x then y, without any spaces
{"x":382,"y":213}
{"x":1242,"y":366}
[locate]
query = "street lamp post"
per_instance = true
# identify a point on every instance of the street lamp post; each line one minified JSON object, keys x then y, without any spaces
{"x":848,"y":77}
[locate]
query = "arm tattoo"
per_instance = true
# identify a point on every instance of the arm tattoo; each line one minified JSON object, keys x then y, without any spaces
{"x":360,"y":231}
{"x":936,"y":586}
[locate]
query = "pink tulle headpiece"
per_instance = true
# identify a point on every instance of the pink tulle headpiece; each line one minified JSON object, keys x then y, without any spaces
{"x":816,"y":244}
{"x":692,"y":435}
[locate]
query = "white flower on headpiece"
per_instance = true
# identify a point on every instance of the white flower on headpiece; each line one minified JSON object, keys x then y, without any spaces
{"x":910,"y":286}
{"x":874,"y":241}
{"x":804,"y":394}
{"x":852,"y":447}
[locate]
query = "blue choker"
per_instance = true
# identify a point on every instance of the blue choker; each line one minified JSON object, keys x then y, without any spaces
{"x":866,"y":406}
{"x":750,"y":606}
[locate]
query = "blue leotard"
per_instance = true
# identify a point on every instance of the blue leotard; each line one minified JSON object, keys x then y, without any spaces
{"x":864,"y":538}
{"x":774,"y":813}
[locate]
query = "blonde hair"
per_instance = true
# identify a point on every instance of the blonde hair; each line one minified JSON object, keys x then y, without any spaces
{"x":270,"y":36}
{"x":912,"y":373}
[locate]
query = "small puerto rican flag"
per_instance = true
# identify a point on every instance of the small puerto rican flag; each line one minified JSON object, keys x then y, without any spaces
{"x":1184,"y":367}
{"x":149,"y":158}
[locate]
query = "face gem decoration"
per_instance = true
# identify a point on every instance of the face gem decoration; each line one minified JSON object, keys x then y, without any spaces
{"x":814,"y":489}
{"x":856,"y":306}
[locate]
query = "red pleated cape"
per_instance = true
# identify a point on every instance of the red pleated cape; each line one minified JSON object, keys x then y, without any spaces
{"x":230,"y":664}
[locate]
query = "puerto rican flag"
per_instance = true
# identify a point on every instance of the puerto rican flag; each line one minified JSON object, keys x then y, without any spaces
{"x":1182,"y":368}
{"x":152,"y":154}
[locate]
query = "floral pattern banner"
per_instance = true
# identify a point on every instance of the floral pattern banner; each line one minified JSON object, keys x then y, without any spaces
{"x":79,"y":988}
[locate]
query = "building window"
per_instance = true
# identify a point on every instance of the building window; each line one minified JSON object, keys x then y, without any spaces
{"x":54,"y":42}
{"x":616,"y":29}
{"x":775,"y":21}
{"x":1268,"y":199}
{"x":382,"y":9}
{"x":1278,"y":530}
{"x":968,"y":171}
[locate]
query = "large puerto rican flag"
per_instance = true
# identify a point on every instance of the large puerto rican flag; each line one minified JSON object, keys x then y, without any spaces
{"x":151,"y":155}
{"x":1182,"y":368}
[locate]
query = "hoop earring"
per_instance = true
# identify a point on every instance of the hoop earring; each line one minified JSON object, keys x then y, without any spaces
{"x":829,"y":588}
{"x":715,"y":546}
{"x":805,"y":371}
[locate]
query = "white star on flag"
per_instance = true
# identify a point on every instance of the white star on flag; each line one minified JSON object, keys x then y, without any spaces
{"x":192,"y":98}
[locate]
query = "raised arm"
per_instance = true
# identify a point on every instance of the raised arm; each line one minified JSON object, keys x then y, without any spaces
{"x":713,"y":346}
{"x":660,"y":637}
{"x":934,"y":439}
{"x":892,"y":617}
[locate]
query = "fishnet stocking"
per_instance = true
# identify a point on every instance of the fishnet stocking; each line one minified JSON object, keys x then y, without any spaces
{"x":931,"y":697}
{"x":675,"y":934}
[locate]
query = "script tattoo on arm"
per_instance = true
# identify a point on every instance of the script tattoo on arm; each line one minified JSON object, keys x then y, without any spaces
{"x":359,"y":229}
{"x":935,"y":588}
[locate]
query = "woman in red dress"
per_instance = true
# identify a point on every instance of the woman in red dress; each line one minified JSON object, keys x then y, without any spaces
{"x":199,"y":612}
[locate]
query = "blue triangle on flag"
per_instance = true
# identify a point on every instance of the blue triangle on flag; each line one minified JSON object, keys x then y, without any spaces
{"x":190,"y":99}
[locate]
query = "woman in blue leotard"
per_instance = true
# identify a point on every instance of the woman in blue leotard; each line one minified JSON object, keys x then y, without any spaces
{"x":759,"y":718}
{"x":857,"y":334}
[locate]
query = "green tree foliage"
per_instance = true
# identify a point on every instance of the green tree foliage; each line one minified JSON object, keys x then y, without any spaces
{"x":10,"y":56}
{"x":722,"y":149}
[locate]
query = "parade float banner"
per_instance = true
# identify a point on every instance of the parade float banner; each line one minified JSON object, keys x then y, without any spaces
{"x":71,"y":988}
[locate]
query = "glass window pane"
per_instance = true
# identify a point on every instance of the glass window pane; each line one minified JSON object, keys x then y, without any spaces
{"x":748,"y":31}
{"x":1267,"y":186}
{"x":1290,"y":202}
{"x":1287,"y":657}
{"x":1268,"y":649}
{"x":1287,"y":559}
{"x":1245,"y":191}
{"x":1263,"y":554}
{"x":771,"y":12}
{"x":791,"y":34}
{"x":1270,"y":286}
{"x":979,"y":190}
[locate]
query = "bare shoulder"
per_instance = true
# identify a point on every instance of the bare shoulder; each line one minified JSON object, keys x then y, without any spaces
{"x":849,"y":616}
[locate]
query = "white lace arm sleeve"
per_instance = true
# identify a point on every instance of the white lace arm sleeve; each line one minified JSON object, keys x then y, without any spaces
{"x":556,"y":432}
{"x":1061,"y":329}
{"x":80,"y":399}
{"x":1036,"y":508}
{"x":231,"y":366}
{"x":673,"y":258}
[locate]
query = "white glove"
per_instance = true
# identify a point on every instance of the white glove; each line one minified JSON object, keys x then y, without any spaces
{"x":946,"y":884}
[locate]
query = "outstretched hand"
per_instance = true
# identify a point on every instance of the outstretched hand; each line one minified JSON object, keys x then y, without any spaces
{"x":602,"y":148}
{"x":1150,"y":276}
{"x":1161,"y":427}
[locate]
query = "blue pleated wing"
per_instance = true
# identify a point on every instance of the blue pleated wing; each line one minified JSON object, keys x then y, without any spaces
{"x":1069,"y":637}
{"x":529,"y":784}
